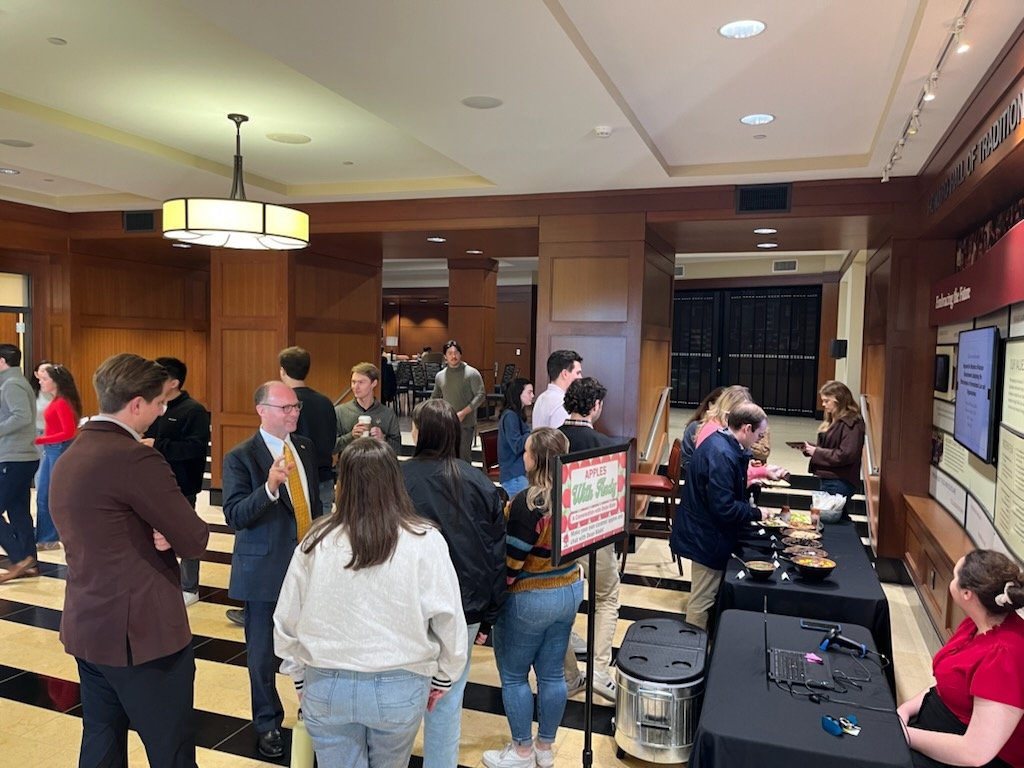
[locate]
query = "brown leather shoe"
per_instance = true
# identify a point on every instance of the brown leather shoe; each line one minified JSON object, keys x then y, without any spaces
{"x":24,"y":569}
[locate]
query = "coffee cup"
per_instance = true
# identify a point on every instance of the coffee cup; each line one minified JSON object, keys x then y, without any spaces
{"x":365,"y":421}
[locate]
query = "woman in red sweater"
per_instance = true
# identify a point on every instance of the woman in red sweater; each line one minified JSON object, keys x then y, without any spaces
{"x":61,"y":418}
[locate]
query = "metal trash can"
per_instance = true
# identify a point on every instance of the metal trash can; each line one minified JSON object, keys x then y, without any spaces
{"x":660,"y":674}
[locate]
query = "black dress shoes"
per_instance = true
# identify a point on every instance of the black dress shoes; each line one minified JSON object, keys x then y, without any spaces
{"x":236,"y":616}
{"x":270,"y":744}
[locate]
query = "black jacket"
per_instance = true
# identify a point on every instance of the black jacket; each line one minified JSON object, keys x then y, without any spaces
{"x":475,"y":534}
{"x":182,"y":435}
{"x":317,"y":422}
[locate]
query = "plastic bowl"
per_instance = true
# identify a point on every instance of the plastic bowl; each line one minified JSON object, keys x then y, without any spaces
{"x":814,"y":568}
{"x":760,"y":570}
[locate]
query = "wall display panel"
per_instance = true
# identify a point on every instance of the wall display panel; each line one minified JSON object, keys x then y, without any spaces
{"x":977,"y":384}
{"x":1017,"y":320}
{"x":942,"y":415}
{"x":945,"y":373}
{"x":949,"y":493}
{"x":954,"y":460}
{"x":1009,"y":517}
{"x":1013,"y":385}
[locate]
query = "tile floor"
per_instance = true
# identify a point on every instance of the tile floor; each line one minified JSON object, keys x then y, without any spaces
{"x":40,"y":717}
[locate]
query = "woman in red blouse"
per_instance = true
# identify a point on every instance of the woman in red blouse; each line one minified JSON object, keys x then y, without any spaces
{"x":61,"y":418}
{"x":972,"y":716}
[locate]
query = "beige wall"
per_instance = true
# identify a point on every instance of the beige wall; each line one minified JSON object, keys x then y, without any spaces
{"x":851,"y":323}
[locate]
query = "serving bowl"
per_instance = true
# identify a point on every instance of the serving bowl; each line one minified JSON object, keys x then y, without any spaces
{"x":806,"y":550}
{"x":814,"y":568}
{"x":801,"y":535}
{"x":760,"y":570}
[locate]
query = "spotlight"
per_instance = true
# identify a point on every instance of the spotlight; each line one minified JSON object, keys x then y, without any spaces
{"x":915,"y":122}
{"x":929,"y":88}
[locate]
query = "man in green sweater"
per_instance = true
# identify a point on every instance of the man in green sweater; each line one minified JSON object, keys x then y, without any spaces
{"x":462,"y":387}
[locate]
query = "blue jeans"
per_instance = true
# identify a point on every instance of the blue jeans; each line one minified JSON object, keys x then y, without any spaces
{"x":515,"y":485}
{"x":442,"y":728}
{"x":45,"y":532}
{"x":363,"y":719}
{"x":837,"y":486}
{"x":16,"y":537}
{"x":326,"y":492}
{"x":533,"y":631}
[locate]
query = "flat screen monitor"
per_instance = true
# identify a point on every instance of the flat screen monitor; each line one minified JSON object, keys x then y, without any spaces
{"x":942,"y":373}
{"x":977,"y":396}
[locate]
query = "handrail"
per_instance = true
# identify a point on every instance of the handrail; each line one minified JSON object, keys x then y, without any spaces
{"x":343,"y":395}
{"x":869,"y":449}
{"x":652,"y":431}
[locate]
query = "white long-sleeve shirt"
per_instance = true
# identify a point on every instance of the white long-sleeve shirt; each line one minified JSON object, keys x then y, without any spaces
{"x":548,"y":410}
{"x":403,"y":614}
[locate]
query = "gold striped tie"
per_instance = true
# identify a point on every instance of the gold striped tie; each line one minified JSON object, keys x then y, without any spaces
{"x":302,"y":517}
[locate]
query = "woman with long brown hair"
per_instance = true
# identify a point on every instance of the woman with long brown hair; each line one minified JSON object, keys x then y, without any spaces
{"x":835,"y":458}
{"x":61,"y":419}
{"x":369,"y":621}
{"x":533,"y":626}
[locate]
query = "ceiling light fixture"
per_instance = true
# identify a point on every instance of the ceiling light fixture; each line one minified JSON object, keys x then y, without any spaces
{"x":235,"y":222}
{"x":16,"y":143}
{"x":436,"y":239}
{"x":56,"y":41}
{"x":481,"y":102}
{"x":9,"y":171}
{"x":951,"y":43}
{"x":742,"y":29}
{"x":765,"y":231}
{"x":766,"y":246}
{"x":475,"y":252}
{"x":757,"y":119}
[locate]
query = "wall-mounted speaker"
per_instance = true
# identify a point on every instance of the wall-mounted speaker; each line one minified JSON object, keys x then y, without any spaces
{"x":837,"y":349}
{"x":138,"y":221}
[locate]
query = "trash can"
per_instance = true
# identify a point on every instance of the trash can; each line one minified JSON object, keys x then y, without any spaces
{"x":660,"y":674}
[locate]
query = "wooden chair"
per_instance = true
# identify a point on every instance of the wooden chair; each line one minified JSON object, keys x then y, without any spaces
{"x":664,"y":487}
{"x":489,"y":450}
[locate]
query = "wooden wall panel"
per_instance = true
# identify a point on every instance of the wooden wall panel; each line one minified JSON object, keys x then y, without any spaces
{"x":589,"y":289}
{"x":247,"y":288}
{"x":108,"y":288}
{"x":325,"y":293}
{"x":423,"y":325}
{"x":233,"y":434}
{"x":602,"y":359}
{"x":514,"y":330}
{"x":829,"y":327}
{"x":94,"y":345}
{"x":333,"y":355}
{"x":251,"y":356}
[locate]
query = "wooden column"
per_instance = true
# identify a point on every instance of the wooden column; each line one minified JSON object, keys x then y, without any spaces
{"x":262,"y":302}
{"x":472,"y":305}
{"x":605,"y":290}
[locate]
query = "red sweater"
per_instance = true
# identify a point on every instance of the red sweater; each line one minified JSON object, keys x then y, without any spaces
{"x":61,"y":424}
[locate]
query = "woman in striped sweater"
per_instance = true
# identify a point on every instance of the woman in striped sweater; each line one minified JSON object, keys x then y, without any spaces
{"x":533,"y":626}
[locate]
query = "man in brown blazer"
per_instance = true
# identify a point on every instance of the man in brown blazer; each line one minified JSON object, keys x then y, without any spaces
{"x":122,"y":519}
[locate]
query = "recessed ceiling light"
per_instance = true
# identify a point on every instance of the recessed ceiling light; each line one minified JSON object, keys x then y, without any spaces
{"x":436,"y":239}
{"x":56,"y":41}
{"x":963,"y":48}
{"x":48,"y":180}
{"x":16,"y":143}
{"x":347,"y":162}
{"x":482,"y":102}
{"x":757,"y":119}
{"x":9,"y":171}
{"x":767,"y":245}
{"x":765,"y":231}
{"x":180,"y":245}
{"x":474,"y":252}
{"x":289,"y":138}
{"x":742,"y":29}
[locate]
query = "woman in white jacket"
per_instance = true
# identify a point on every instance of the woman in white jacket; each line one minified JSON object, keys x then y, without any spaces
{"x":369,"y":622}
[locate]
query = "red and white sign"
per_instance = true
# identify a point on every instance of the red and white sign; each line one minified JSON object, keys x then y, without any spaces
{"x":593,"y":501}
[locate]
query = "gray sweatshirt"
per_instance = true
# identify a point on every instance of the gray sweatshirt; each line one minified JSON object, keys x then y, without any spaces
{"x":17,"y":417}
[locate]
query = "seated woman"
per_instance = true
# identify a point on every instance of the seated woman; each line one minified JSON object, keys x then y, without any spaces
{"x":467,"y":508}
{"x":835,"y":459}
{"x":369,"y":622}
{"x":534,"y":624}
{"x":972,"y":716}
{"x":513,"y":430}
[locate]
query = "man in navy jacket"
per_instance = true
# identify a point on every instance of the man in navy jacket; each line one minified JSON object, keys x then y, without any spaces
{"x":269,"y":523}
{"x":715,"y":508}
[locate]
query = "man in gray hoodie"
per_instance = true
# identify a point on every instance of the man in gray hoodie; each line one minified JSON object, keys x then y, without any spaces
{"x":18,"y":463}
{"x":461,"y":385}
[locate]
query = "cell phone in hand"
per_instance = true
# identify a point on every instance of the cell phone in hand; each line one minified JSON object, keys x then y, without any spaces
{"x":794,"y":444}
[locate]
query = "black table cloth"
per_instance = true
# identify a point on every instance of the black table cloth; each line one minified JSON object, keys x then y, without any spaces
{"x":851,"y":594}
{"x":748,"y":721}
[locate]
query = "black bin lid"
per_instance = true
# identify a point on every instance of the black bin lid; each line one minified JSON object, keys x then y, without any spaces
{"x":664,"y":651}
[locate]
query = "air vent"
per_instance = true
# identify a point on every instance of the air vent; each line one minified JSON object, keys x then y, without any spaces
{"x":763,"y":198}
{"x":138,"y":221}
{"x":784,"y":265}
{"x":680,"y":270}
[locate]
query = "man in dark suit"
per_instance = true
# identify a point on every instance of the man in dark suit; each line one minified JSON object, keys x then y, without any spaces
{"x":122,"y":519}
{"x":270,"y":498}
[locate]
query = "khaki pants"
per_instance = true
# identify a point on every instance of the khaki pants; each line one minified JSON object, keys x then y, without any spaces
{"x":606,"y":612}
{"x":704,"y":583}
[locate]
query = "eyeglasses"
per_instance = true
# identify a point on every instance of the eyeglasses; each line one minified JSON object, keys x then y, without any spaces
{"x":290,"y":408}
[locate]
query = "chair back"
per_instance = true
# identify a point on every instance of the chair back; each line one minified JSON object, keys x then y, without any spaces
{"x":431,"y":370}
{"x":507,"y":374}
{"x":419,"y":375}
{"x":674,"y":469}
{"x":489,"y":451}
{"x":403,"y":374}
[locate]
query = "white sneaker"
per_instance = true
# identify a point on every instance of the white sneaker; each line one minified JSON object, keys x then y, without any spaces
{"x":545,"y":757}
{"x":604,"y":686}
{"x":576,"y":686}
{"x":509,"y":758}
{"x":190,"y":598}
{"x":578,"y":644}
